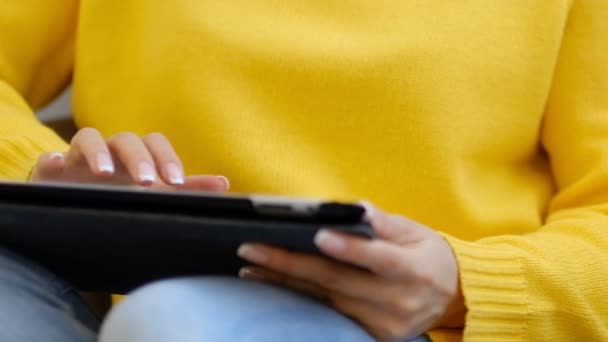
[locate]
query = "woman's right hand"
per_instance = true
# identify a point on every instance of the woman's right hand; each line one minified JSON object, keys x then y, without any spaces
{"x":123,"y":159}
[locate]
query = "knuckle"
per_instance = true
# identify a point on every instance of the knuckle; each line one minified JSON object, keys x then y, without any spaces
{"x":88,"y":130}
{"x":423,"y":275}
{"x":155,"y":136}
{"x":84,"y":132}
{"x":121,"y":137}
{"x":329,"y":279}
{"x":405,"y":307}
{"x":390,"y":331}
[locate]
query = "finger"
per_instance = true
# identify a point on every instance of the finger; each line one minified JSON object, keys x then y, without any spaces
{"x":379,"y":322}
{"x":345,"y":304}
{"x":135,"y":157}
{"x":88,"y":144}
{"x":325,"y":273}
{"x":379,"y":256}
{"x":165,"y":158}
{"x":48,"y":166}
{"x":389,"y":227}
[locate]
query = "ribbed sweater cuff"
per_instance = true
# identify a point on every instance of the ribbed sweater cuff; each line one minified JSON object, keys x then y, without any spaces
{"x":21,"y":146}
{"x":494,"y":289}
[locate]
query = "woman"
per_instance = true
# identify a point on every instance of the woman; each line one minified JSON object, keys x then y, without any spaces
{"x":484,"y":123}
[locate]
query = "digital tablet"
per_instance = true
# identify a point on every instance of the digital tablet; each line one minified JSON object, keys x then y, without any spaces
{"x":114,"y":239}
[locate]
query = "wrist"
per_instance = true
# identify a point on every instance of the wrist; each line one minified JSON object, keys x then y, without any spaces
{"x":455,"y":314}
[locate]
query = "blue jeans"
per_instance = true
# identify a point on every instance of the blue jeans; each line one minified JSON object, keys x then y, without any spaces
{"x":226,"y":309}
{"x":37,"y":306}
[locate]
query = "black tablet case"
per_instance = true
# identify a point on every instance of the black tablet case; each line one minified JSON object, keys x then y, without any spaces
{"x":116,"y":251}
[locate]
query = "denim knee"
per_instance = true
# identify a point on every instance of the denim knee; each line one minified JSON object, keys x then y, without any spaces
{"x":224,"y":309}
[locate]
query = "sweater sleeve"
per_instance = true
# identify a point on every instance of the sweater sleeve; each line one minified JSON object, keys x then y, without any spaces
{"x":36,"y":57}
{"x":551,"y":285}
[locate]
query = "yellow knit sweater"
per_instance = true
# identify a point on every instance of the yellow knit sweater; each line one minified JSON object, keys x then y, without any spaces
{"x":486,"y":120}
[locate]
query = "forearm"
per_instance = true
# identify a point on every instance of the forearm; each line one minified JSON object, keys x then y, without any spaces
{"x":525,"y":288}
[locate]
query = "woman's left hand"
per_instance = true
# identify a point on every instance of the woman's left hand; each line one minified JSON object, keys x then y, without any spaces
{"x":405,"y":283}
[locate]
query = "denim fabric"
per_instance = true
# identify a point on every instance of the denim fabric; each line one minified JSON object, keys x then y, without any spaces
{"x":36,"y":306}
{"x":226,"y":309}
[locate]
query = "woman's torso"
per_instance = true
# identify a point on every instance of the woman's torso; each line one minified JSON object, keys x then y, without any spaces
{"x":429,"y":108}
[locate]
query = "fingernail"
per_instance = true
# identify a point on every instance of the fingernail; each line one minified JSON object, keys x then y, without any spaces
{"x":329,"y":241}
{"x":146,"y":173}
{"x":252,"y":254}
{"x":225,"y":181}
{"x":174,"y":174}
{"x":247,"y":273}
{"x":56,"y":156}
{"x":104,"y":163}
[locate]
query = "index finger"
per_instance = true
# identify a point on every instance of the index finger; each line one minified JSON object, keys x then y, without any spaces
{"x":379,"y":256}
{"x":90,"y":145}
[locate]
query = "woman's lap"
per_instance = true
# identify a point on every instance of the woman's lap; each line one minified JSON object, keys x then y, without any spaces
{"x":225,"y":309}
{"x":39,"y":306}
